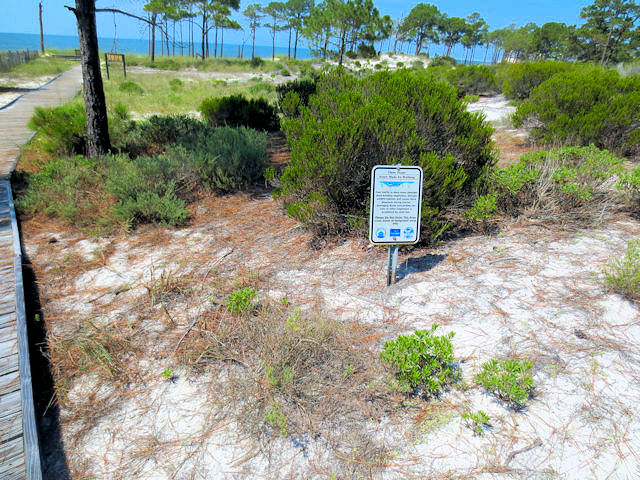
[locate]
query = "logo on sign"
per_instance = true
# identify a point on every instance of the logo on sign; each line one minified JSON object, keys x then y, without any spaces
{"x":408,"y":232}
{"x":381,"y":233}
{"x":395,"y":232}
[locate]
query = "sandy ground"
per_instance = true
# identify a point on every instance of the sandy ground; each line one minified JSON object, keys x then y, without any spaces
{"x":529,"y":291}
{"x":19,"y":84}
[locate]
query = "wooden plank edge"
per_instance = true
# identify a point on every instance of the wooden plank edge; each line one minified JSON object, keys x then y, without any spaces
{"x":31,"y":446}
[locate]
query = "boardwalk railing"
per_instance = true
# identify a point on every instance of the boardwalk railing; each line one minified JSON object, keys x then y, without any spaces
{"x":10,"y":59}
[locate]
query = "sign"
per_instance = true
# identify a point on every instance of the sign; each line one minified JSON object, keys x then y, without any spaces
{"x":115,"y":58}
{"x":396,"y":204}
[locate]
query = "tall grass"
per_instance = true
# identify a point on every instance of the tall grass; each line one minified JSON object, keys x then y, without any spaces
{"x":39,"y":67}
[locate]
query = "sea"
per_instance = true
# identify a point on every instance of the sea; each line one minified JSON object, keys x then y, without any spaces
{"x":23,"y":41}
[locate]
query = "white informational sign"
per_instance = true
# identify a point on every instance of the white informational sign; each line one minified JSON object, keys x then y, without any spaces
{"x":396,"y":194}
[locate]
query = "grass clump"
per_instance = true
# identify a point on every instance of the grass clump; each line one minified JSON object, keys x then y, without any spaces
{"x":477,"y":421}
{"x":352,"y":124}
{"x":623,"y":275}
{"x":551,"y":184}
{"x":585,"y":107}
{"x":131,"y":88}
{"x":423,"y":362}
{"x":38,"y":67}
{"x":509,"y":380}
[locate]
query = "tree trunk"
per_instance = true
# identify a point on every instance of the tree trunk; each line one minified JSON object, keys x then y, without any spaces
{"x":295,"y":46}
{"x":273,"y":43}
{"x":604,"y":51}
{"x":289,"y":54}
{"x":215,"y":43}
{"x":204,"y":26}
{"x":94,"y":102}
{"x":343,"y":41}
{"x":222,"y":43}
{"x":166,"y":36}
{"x":153,"y":37}
{"x":253,"y":44}
{"x":174,"y":38}
{"x":486,"y":51}
{"x":41,"y":30}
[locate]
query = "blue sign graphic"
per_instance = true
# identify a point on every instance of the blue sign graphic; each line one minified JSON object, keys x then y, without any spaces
{"x":395,"y":184}
{"x":408,"y":232}
{"x":381,"y":233}
{"x":395,"y":232}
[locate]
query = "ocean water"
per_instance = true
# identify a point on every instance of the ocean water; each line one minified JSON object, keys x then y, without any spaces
{"x":23,"y":41}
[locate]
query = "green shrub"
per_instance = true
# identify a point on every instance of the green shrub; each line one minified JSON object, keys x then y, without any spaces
{"x":61,"y":130}
{"x":623,"y":275}
{"x":152,"y":207}
{"x":285,"y":73}
{"x":240,"y":300}
{"x":132,"y":88}
{"x":423,"y":362}
{"x":304,"y":88}
{"x":519,"y":79}
{"x":353,"y":124}
{"x":227,"y":160}
{"x":418,"y":65}
{"x":442,"y":60}
{"x":261,"y":87}
{"x":509,"y":380}
{"x":582,"y":108}
{"x":473,"y":79}
{"x":366,"y":51}
{"x":237,"y":111}
{"x":630,"y":183}
{"x":256,"y":62}
{"x":478,"y":421}
{"x":483,"y":208}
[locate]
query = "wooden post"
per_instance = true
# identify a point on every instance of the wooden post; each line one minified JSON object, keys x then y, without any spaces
{"x":106,"y":64}
{"x":41,"y":30}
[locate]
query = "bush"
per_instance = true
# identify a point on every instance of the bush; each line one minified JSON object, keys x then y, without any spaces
{"x":304,"y":88}
{"x":256,"y":62}
{"x":442,"y":60}
{"x":237,"y":111}
{"x":519,"y":79}
{"x":117,"y":190}
{"x":153,"y":135}
{"x":366,"y":51}
{"x":509,"y":380}
{"x":478,"y":421}
{"x":576,"y":180}
{"x":353,"y":124}
{"x":582,"y":108}
{"x":131,"y":88}
{"x":62,"y":130}
{"x":473,"y":79}
{"x":285,"y":73}
{"x":175,"y":84}
{"x":423,"y":362}
{"x":623,"y":275}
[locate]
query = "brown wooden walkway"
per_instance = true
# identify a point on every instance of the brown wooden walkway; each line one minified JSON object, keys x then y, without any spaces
{"x":14,"y":118}
{"x":19,"y":450}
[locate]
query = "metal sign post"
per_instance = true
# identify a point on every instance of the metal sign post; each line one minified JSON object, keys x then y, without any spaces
{"x":115,"y":58}
{"x":396,"y":205}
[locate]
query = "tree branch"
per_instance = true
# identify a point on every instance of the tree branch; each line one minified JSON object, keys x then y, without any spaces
{"x":115,"y":10}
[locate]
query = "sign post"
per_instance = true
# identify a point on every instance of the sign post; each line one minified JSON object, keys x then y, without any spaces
{"x":115,"y":58}
{"x":396,"y":205}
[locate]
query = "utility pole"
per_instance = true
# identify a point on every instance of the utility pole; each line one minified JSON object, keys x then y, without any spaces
{"x":41,"y":31}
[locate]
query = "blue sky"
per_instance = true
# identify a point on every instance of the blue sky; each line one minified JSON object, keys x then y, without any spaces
{"x":21,"y":16}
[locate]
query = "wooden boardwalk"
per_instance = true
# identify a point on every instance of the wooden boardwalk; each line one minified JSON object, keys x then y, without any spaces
{"x":14,"y":118}
{"x":19,"y":450}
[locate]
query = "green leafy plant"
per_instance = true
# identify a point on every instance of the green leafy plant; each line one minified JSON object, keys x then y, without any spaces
{"x":509,"y":380}
{"x":473,"y":79}
{"x":519,"y":79}
{"x":477,"y":421}
{"x":176,"y":84}
{"x":423,"y":362}
{"x":61,"y":129}
{"x":623,"y":275}
{"x":240,"y":300}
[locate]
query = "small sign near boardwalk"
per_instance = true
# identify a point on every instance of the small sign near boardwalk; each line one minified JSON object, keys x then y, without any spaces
{"x":396,"y":207}
{"x":115,"y":58}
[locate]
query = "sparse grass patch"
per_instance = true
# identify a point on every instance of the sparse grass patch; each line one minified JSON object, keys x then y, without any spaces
{"x":509,"y":380}
{"x":38,"y":67}
{"x":623,"y":275}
